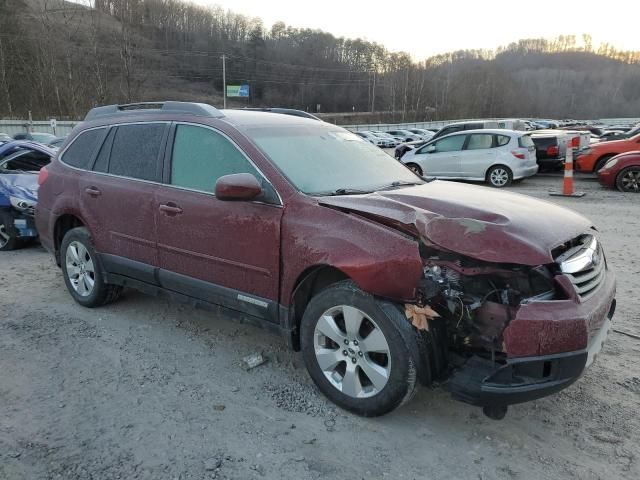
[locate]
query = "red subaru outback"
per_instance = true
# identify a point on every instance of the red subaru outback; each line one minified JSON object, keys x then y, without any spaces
{"x":383,"y":279}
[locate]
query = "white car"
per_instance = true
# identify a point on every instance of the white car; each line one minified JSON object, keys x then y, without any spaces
{"x":390,"y":141}
{"x":494,"y":156}
{"x":422,"y":133}
{"x":371,"y":138}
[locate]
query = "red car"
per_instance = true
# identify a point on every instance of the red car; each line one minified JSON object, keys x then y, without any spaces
{"x":382,"y":278}
{"x":622,"y":172}
{"x":598,"y":154}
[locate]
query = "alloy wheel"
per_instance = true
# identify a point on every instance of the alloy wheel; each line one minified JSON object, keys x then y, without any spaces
{"x":80,"y":269}
{"x":499,"y":177}
{"x":630,"y":181}
{"x":352,"y":351}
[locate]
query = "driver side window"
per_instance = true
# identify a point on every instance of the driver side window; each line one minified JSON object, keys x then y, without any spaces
{"x":450,"y":144}
{"x":201,"y":156}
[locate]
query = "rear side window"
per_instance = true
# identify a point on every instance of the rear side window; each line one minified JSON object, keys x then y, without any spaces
{"x":502,"y":140}
{"x":201,"y":156}
{"x":135,"y":151}
{"x":81,"y":151}
{"x":525,"y":141}
{"x":480,"y":141}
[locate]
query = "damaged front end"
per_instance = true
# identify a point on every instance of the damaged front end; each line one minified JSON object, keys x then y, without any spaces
{"x":18,"y":199}
{"x":514,"y":333}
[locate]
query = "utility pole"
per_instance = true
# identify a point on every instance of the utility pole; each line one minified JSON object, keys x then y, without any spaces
{"x":224,"y":81}
{"x":373,"y":92}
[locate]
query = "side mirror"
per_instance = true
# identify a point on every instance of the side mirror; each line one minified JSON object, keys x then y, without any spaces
{"x":430,"y":149}
{"x":238,"y":186}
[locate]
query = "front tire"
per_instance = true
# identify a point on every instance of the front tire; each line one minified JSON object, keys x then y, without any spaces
{"x":8,"y":241}
{"x":499,"y":176}
{"x":628,"y":180}
{"x":355,"y":353}
{"x":415,"y":168}
{"x":82,"y":271}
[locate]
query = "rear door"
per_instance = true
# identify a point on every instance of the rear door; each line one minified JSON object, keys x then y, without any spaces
{"x":444,"y":161}
{"x":117,"y":198}
{"x":477,"y":155}
{"x":225,"y":252}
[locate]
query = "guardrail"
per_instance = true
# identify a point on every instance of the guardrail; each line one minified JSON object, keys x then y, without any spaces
{"x":61,"y":128}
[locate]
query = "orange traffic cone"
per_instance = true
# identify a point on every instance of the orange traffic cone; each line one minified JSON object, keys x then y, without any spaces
{"x":567,"y":182}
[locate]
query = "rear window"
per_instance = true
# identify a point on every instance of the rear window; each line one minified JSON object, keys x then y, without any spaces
{"x":135,"y":151}
{"x":81,"y":151}
{"x":544,"y":142}
{"x":525,"y":141}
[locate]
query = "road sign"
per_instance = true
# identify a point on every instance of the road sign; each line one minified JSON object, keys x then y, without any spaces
{"x":238,"y":91}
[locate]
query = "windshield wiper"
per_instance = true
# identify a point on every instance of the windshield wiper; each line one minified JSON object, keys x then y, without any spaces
{"x":342,"y":191}
{"x":398,"y":184}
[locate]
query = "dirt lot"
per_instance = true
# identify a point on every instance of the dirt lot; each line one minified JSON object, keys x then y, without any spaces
{"x":152,"y":390}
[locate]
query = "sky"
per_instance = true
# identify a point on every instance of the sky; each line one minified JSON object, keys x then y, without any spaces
{"x":423,"y":28}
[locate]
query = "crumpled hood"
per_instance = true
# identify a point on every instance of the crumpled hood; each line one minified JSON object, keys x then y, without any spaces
{"x":478,"y":222}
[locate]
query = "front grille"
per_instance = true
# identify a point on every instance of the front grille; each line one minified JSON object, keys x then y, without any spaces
{"x":585,"y":266}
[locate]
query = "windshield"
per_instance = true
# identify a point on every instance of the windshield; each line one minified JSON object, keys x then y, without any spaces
{"x":321,"y":160}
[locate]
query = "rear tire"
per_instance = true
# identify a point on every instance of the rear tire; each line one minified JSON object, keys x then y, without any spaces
{"x":499,"y":176}
{"x":415,"y":168}
{"x":8,"y":241}
{"x":378,"y":372}
{"x":83,"y":274}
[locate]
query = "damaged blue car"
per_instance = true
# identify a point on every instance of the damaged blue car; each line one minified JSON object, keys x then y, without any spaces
{"x":20,"y":162}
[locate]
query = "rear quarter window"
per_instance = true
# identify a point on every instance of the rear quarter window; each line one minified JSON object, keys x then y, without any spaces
{"x":81,"y":151}
{"x":502,"y":140}
{"x":525,"y":141}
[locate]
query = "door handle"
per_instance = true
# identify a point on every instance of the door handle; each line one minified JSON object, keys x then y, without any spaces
{"x":170,"y":208}
{"x":93,"y":191}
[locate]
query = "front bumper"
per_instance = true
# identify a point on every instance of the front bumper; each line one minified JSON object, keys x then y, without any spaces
{"x":23,"y":226}
{"x":549,"y":344}
{"x":606,"y":178}
{"x":480,"y":382}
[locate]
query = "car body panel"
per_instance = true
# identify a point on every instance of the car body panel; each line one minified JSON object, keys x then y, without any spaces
{"x":587,"y":162}
{"x":501,"y":227}
{"x":608,"y":175}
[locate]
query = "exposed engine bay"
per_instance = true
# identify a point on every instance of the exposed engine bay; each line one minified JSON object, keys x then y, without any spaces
{"x":477,"y":300}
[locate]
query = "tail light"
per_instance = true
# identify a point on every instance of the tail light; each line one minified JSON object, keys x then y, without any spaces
{"x":43,"y":175}
{"x":553,"y":151}
{"x":575,"y":142}
{"x":518,"y":154}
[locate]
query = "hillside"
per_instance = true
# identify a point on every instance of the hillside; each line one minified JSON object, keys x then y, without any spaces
{"x":59,"y":59}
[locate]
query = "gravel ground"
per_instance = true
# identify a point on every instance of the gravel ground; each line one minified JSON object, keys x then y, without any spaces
{"x":147,"y":389}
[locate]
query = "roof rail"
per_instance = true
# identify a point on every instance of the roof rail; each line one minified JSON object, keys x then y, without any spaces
{"x":190,"y":108}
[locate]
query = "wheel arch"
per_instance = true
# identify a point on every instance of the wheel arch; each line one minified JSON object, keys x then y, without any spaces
{"x":310,"y":282}
{"x":62,"y":225}
{"x":602,"y":159}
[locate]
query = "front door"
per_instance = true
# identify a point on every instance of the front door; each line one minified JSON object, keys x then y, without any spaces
{"x":224,"y":252}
